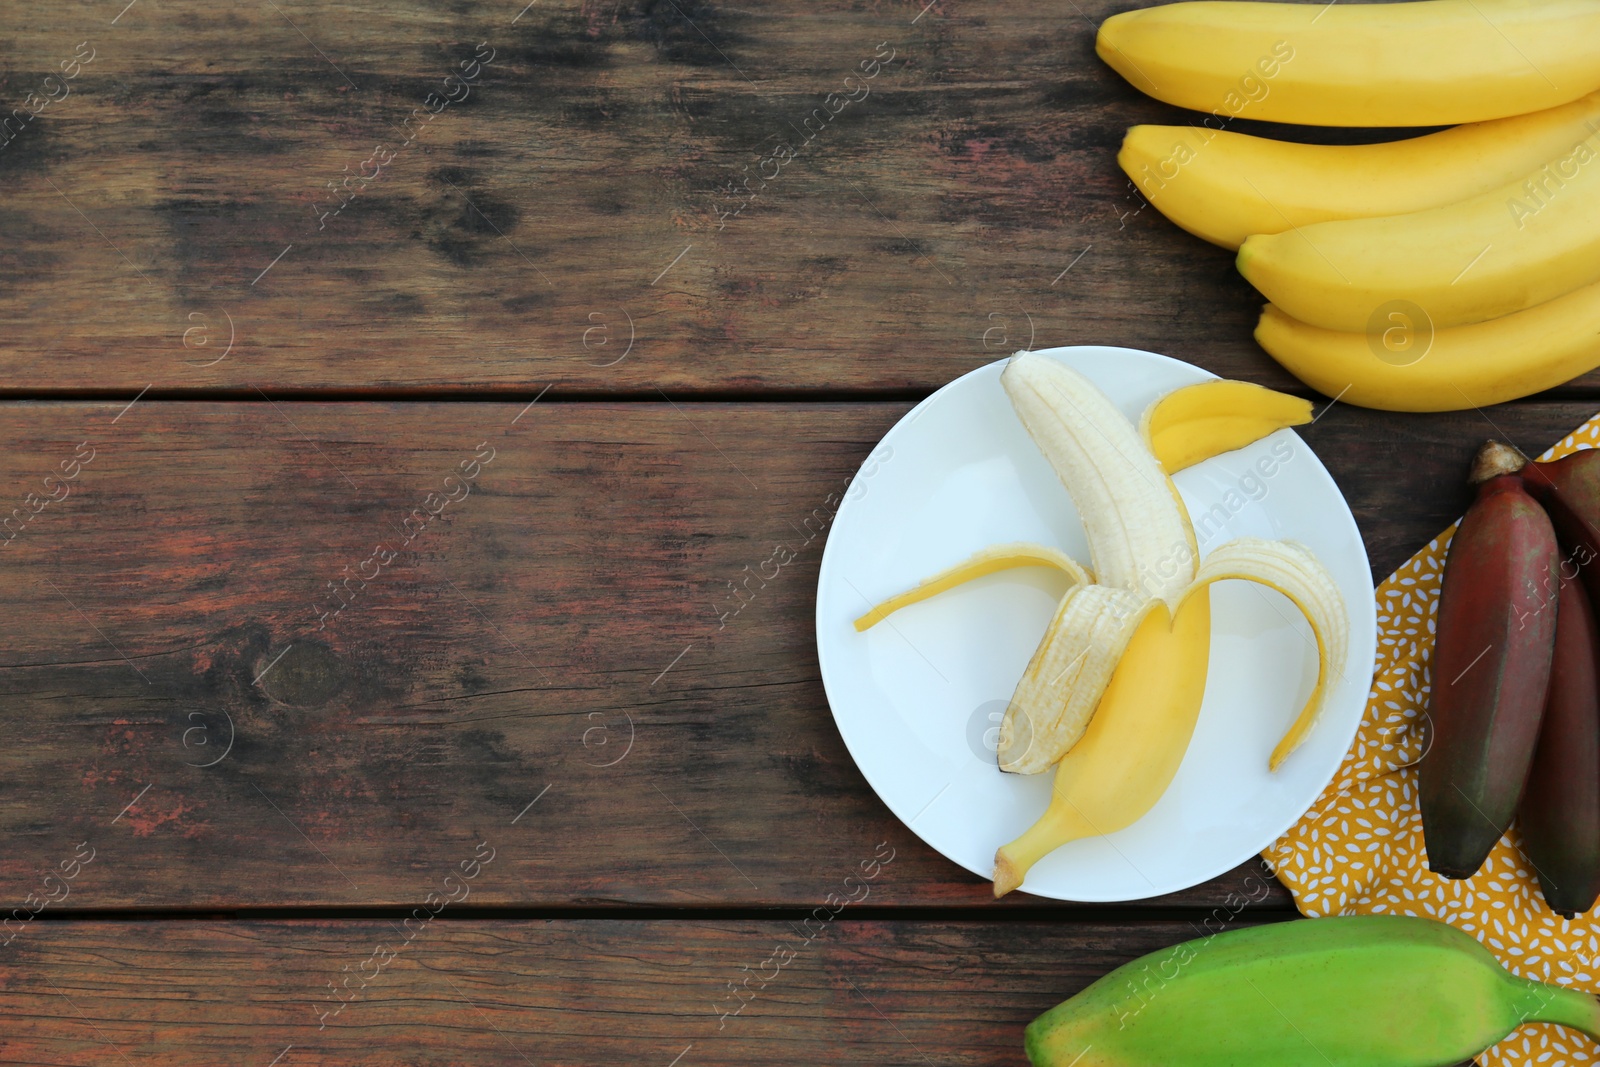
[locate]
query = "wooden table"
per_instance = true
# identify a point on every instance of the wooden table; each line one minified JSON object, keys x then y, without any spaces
{"x":622,"y":293}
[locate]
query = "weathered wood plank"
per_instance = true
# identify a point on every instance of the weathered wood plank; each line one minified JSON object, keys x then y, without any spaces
{"x":562,"y":612}
{"x":581,"y":216}
{"x":174,"y":598}
{"x":560,"y":992}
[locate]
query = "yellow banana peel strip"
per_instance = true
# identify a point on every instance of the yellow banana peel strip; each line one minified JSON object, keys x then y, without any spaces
{"x":1291,"y":569}
{"x":987,"y":561}
{"x":1199,"y":421}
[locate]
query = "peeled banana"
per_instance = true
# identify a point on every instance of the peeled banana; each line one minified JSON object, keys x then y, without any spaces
{"x":1224,"y":186}
{"x":1114,"y":688}
{"x":1356,"y":991}
{"x":1444,"y":370}
{"x":1427,"y":63}
{"x":1153,"y":703}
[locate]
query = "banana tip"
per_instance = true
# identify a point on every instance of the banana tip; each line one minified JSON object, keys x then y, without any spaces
{"x":1284,"y":750}
{"x":1006,"y":875}
{"x":1247,"y":254}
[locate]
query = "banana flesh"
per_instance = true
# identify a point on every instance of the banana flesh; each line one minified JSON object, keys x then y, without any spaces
{"x":1072,"y":666}
{"x":1133,"y":517}
{"x":1113,"y":691}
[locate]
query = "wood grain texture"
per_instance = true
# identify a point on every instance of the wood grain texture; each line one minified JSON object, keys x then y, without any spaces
{"x":241,"y":669}
{"x":581,"y":215}
{"x":561,"y":992}
{"x":556,"y":629}
{"x":515,"y":644}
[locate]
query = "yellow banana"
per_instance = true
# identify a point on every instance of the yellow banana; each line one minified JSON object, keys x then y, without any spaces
{"x":1427,"y":63}
{"x":1489,"y":255}
{"x":1448,"y":370}
{"x":1223,"y":186}
{"x":1113,"y":690}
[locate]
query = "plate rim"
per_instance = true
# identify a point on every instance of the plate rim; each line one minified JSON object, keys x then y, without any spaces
{"x":1357,"y":618}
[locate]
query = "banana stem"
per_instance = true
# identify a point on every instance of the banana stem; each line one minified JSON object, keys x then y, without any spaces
{"x":1569,"y":1007}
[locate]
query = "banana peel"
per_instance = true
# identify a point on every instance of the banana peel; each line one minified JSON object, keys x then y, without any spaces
{"x":988,"y":561}
{"x":1200,"y":421}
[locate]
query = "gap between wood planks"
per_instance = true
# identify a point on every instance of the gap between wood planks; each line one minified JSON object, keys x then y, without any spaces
{"x":1079,"y":914}
{"x":476,"y":395}
{"x":551,"y":393}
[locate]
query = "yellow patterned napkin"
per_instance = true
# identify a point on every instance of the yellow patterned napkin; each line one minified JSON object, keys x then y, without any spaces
{"x":1359,"y":849}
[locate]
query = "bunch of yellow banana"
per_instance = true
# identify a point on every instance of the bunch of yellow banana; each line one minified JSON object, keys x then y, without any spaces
{"x":1441,"y":272}
{"x":1113,"y":690}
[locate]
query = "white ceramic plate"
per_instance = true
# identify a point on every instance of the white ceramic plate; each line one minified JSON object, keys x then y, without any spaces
{"x":919,"y":701}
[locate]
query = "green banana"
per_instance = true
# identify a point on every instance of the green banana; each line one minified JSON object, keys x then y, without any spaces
{"x":1356,"y":991}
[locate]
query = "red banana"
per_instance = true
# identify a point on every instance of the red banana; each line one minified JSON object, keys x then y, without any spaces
{"x":1560,"y":809}
{"x":1569,"y":489}
{"x":1560,"y":813}
{"x":1491,"y":665}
